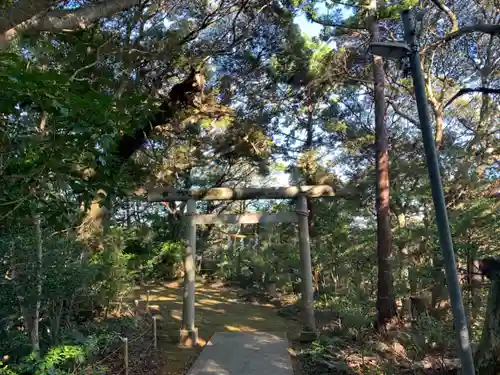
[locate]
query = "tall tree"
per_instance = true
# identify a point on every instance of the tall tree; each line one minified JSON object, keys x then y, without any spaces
{"x":386,"y":303}
{"x":366,"y":18}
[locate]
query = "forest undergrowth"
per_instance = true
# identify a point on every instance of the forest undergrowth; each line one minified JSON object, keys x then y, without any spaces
{"x":348,"y":344}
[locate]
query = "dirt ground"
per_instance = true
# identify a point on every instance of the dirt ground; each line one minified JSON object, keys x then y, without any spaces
{"x":218,"y":309}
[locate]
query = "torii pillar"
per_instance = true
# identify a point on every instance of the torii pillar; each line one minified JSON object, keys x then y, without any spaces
{"x":309,"y":322}
{"x":189,"y":333}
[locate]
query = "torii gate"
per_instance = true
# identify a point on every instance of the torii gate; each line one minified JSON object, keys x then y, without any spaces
{"x":188,"y":332}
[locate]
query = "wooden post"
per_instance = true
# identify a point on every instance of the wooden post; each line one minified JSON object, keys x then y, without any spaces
{"x":136,"y":308}
{"x":309,"y":332}
{"x":125,"y":354}
{"x":189,"y":334}
{"x":155,"y":340}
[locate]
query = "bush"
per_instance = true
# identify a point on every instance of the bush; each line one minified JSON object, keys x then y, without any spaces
{"x":80,"y":346}
{"x":353,"y":304}
{"x":162,"y":264}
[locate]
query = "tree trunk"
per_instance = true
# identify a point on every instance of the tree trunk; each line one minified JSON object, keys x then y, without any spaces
{"x":35,"y":331}
{"x":404,"y":266}
{"x":480,"y":137}
{"x":474,"y":281}
{"x":403,"y":254}
{"x":239,"y":250}
{"x":438,"y":290}
{"x":230,"y":252}
{"x":386,"y":304}
{"x":437,"y":109}
{"x":308,"y":146}
{"x":487,"y":358}
{"x":17,"y":276}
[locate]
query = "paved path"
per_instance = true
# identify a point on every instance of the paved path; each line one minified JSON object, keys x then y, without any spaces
{"x":244,"y":353}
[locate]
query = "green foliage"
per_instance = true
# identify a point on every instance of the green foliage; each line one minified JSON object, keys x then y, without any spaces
{"x":393,"y":11}
{"x":164,"y":257}
{"x":428,"y":334}
{"x":354,"y":306}
{"x":68,"y":358}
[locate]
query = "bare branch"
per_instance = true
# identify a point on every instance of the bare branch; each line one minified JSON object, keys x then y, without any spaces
{"x":400,"y":113}
{"x":95,"y":62}
{"x":477,"y":28}
{"x":449,"y":13}
{"x":484,"y":90}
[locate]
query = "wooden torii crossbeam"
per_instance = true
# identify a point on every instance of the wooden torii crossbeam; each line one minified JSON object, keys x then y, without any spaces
{"x":189,"y":333}
{"x":233,"y":194}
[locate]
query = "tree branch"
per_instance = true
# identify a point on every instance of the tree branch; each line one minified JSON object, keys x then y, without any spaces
{"x":484,"y":90}
{"x":324,"y":22}
{"x":181,"y":95}
{"x":55,"y":20}
{"x":477,"y":28}
{"x":22,"y":10}
{"x":400,"y":113}
{"x":493,"y":191}
{"x":449,"y":13}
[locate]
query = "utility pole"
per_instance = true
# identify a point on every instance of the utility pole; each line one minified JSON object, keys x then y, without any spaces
{"x":445,"y":240}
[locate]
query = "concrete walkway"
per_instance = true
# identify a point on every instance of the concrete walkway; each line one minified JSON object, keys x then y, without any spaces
{"x":244,"y":353}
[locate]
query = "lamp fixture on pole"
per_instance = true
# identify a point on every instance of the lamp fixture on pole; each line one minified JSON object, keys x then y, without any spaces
{"x":390,"y":50}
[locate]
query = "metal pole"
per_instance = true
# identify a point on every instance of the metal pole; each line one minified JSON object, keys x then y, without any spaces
{"x":305,"y":266}
{"x":189,"y":269}
{"x":445,"y":240}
